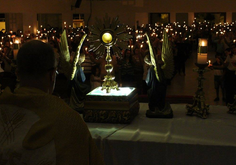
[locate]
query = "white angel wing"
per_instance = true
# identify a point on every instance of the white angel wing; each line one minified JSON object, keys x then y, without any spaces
{"x":68,"y":68}
{"x":167,"y":57}
{"x":152,"y":56}
{"x":76,"y":59}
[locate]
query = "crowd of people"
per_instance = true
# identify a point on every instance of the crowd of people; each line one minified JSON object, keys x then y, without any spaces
{"x":129,"y":68}
{"x":225,"y":74}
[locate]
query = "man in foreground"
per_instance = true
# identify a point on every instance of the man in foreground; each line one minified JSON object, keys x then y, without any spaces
{"x":37,"y":127}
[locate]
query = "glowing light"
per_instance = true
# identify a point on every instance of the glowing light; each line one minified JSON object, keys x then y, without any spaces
{"x":123,"y":91}
{"x":203,"y":43}
{"x":17,"y":41}
{"x":107,"y":38}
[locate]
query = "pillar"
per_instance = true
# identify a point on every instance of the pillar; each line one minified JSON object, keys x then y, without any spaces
{"x":68,"y":18}
{"x":190,"y":18}
{"x":229,"y":17}
{"x":30,"y":22}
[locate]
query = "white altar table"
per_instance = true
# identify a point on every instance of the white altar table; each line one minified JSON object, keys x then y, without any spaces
{"x":180,"y":140}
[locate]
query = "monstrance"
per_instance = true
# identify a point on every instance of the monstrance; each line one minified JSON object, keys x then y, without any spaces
{"x":115,"y":105}
{"x":109,"y":36}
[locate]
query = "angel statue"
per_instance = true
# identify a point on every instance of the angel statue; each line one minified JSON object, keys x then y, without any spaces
{"x":161,"y":69}
{"x":73,"y":72}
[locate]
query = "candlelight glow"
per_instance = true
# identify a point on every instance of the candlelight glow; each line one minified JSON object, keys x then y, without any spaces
{"x":17,"y":41}
{"x":203,"y":43}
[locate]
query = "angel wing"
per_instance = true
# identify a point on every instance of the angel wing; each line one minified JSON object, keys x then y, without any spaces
{"x":167,"y":57}
{"x":152,"y":56}
{"x":68,"y":68}
{"x":76,"y":59}
{"x":65,"y":55}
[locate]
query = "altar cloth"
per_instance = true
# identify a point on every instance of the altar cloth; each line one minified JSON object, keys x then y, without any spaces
{"x":180,"y":140}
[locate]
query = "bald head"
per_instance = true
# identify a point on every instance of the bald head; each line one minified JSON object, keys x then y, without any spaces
{"x":34,"y":59}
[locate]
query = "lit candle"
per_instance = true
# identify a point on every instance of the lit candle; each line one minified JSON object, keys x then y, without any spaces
{"x":16,"y":47}
{"x":202,"y":51}
{"x":141,"y":46}
{"x":65,"y":24}
{"x":202,"y":45}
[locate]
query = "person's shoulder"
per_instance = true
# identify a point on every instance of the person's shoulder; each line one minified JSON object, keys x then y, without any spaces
{"x":63,"y":113}
{"x":58,"y":103}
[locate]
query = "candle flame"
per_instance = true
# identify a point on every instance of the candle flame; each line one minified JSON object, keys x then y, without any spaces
{"x":203,"y":43}
{"x":17,"y":41}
